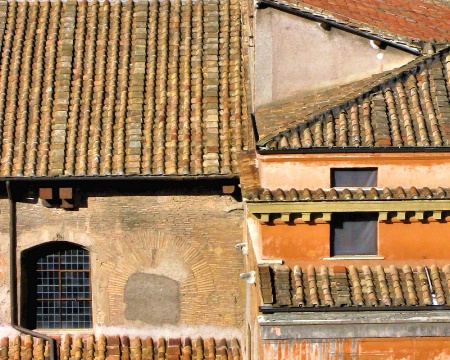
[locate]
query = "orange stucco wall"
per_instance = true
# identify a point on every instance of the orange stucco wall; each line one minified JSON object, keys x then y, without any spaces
{"x":407,"y":348}
{"x":411,"y":241}
{"x":295,"y":242}
{"x":415,"y":240}
{"x":313,"y":170}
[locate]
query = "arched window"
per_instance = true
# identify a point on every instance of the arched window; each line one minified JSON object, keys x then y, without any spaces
{"x":56,"y":288}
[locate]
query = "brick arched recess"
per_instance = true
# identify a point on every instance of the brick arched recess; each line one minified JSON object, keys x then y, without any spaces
{"x":145,"y":251}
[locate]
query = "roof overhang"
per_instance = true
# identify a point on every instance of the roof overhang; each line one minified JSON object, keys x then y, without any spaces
{"x":270,"y":210}
{"x":375,"y":324}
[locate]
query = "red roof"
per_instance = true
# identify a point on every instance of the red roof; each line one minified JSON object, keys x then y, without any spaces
{"x":401,"y":19}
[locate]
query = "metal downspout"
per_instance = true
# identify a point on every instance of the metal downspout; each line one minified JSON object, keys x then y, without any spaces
{"x":13,"y":275}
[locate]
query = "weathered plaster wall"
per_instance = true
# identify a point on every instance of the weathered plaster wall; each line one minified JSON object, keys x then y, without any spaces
{"x":429,"y":348}
{"x":189,"y":239}
{"x":295,"y":242}
{"x":295,"y":55}
{"x":313,"y":170}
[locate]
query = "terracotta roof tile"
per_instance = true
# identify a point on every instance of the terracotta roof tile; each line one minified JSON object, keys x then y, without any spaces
{"x":398,"y":20}
{"x":344,"y":194}
{"x":145,"y":347}
{"x":121,"y":88}
{"x":407,"y":107}
{"x":365,"y":286}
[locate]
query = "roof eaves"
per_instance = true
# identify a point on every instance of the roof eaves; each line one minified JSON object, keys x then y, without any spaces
{"x":121,"y":178}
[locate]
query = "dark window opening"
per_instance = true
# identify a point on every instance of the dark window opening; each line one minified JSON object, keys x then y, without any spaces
{"x":354,"y":234}
{"x":351,"y":177}
{"x":56,"y":287}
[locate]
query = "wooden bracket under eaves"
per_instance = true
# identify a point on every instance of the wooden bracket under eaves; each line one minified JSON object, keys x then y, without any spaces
{"x":308,"y":211}
{"x":58,"y":198}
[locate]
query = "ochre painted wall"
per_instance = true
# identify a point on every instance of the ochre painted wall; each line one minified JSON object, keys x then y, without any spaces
{"x":295,"y":242}
{"x":414,"y":240}
{"x":423,"y":348}
{"x":399,"y":242}
{"x":313,"y":170}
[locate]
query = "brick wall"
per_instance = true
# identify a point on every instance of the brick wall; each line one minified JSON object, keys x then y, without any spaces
{"x":187,"y":238}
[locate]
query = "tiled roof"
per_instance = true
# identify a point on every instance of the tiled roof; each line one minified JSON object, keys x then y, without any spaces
{"x":341,"y":194}
{"x":398,"y":20}
{"x":122,"y":347}
{"x":121,"y":88}
{"x":365,"y":286}
{"x":408,"y":107}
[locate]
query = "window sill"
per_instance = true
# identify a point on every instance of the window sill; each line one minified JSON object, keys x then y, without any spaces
{"x":355,"y":257}
{"x":270,"y":262}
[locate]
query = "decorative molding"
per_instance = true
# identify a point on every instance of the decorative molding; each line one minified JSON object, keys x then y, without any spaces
{"x":403,"y":210}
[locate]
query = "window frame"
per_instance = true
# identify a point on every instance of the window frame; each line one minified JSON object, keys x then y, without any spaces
{"x":353,"y":217}
{"x":355,"y":170}
{"x":29,"y":282}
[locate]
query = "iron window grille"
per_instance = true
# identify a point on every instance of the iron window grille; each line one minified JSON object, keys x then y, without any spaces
{"x":59,"y":281}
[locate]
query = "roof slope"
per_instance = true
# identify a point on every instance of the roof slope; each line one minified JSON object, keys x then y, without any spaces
{"x":409,"y":22}
{"x":121,"y":88}
{"x":407,"y":107}
{"x":352,"y":287}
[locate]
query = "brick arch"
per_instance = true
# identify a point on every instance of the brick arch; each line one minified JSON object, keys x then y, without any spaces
{"x":144,"y":251}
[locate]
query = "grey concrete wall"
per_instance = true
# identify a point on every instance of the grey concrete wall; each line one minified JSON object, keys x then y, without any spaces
{"x":295,"y":55}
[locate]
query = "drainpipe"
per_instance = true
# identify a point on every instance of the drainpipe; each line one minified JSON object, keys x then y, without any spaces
{"x":13,"y":275}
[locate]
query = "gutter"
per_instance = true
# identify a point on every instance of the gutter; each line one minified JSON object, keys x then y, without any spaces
{"x":340,"y":26}
{"x":13,"y":275}
{"x":151,"y":178}
{"x":267,"y":309}
{"x":355,"y":150}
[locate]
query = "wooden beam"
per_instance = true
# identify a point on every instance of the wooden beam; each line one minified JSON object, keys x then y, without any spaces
{"x":285,"y":217}
{"x":383,"y":216}
{"x":401,"y":215}
{"x":65,"y":193}
{"x":326,"y":26}
{"x":419,"y":215}
{"x":381,"y":44}
{"x":265,"y":217}
{"x":306,"y":217}
{"x":437,"y":215}
{"x":46,"y":193}
{"x":228,"y":189}
{"x":327,"y":216}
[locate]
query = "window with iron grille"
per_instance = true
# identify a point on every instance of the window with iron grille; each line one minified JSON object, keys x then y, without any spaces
{"x":59,"y":287}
